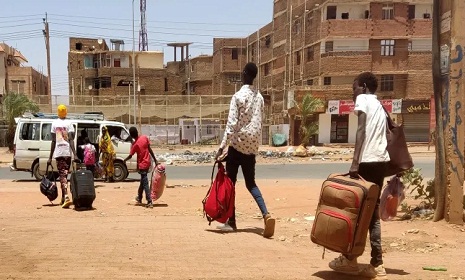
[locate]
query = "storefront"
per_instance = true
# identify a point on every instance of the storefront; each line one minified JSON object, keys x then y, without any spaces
{"x":339,"y":124}
{"x":416,"y":120}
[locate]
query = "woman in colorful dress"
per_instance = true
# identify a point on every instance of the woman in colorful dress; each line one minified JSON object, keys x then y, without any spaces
{"x":107,"y":151}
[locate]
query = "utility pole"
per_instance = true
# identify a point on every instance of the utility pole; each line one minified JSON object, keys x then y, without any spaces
{"x":451,"y":37}
{"x":46,"y":32}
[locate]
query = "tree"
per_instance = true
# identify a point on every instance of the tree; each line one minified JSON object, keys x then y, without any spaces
{"x":15,"y":105}
{"x":306,"y":109}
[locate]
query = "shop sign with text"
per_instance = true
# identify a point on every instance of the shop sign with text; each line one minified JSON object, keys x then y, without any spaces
{"x":416,"y":106}
{"x":344,"y":107}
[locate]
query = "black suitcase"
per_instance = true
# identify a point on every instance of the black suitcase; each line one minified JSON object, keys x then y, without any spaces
{"x":82,"y":188}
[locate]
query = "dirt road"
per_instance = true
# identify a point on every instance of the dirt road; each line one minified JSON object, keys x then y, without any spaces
{"x":118,"y":240}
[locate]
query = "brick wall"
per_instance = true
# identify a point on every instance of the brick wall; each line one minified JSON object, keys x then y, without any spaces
{"x":86,"y":44}
{"x":398,"y":62}
{"x":34,"y":84}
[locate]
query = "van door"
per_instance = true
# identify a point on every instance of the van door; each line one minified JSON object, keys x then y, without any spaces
{"x":27,"y":144}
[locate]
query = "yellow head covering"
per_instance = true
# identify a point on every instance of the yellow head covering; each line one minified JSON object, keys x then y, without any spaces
{"x":62,"y":111}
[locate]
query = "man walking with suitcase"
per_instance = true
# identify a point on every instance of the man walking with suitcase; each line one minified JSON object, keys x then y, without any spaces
{"x":370,"y":162}
{"x":61,"y":149}
{"x":243,"y":133}
{"x":141,"y":147}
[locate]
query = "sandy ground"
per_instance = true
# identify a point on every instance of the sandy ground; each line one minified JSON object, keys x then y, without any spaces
{"x":119,"y":240}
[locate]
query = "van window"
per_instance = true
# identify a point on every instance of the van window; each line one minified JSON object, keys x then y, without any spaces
{"x":46,"y":132}
{"x":119,"y":132}
{"x":30,"y":131}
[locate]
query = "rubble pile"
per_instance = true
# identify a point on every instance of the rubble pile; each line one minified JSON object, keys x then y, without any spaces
{"x":187,"y":156}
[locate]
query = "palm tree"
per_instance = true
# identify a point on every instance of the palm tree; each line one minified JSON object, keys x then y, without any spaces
{"x":15,"y":105}
{"x":306,"y":109}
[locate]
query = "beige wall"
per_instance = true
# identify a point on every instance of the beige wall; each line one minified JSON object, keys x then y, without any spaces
{"x":149,"y":60}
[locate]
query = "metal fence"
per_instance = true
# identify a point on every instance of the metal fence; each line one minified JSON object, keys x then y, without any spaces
{"x":167,"y":119}
{"x":153,"y":109}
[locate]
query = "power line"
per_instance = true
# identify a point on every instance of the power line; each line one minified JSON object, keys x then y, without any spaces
{"x":159,"y":21}
{"x":20,"y":16}
{"x":149,"y":26}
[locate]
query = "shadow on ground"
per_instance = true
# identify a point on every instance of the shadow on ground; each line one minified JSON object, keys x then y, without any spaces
{"x":330,"y":275}
{"x":254,"y":230}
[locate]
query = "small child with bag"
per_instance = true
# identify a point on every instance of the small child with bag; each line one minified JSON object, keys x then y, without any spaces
{"x":89,"y":154}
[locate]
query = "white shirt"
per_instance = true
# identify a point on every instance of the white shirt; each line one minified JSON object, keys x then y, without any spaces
{"x":375,"y":143}
{"x":244,"y":127}
{"x":62,"y":128}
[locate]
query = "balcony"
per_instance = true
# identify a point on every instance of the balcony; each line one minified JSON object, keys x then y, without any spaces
{"x":345,"y":62}
{"x":346,"y":28}
{"x":421,"y":28}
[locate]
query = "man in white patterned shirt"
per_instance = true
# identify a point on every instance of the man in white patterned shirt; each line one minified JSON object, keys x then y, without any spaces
{"x":243,"y":133}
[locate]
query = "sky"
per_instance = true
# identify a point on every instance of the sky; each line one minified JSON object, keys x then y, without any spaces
{"x":196,"y":21}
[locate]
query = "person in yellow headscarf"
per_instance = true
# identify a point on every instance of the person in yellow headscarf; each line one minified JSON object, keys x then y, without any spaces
{"x":62,"y":149}
{"x":108,"y":154}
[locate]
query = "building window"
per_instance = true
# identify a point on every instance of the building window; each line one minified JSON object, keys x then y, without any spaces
{"x":310,"y":54}
{"x":117,"y":62}
{"x":411,"y":11}
{"x":268,"y":41}
{"x":310,"y":82}
{"x":79,"y":64}
{"x":266,"y":69}
{"x":388,"y":11}
{"x":387,"y":83}
{"x":329,"y":46}
{"x":331,"y":12}
{"x":107,"y":60}
{"x":309,"y":20}
{"x":327,"y":81}
{"x":387,"y":47}
{"x":410,"y":46}
{"x":88,"y":62}
{"x":345,"y":15}
{"x":297,"y":57}
{"x":235,"y":54}
{"x":192,"y":67}
{"x":34,"y":86}
{"x":166,"y":84}
{"x":297,"y":26}
{"x":105,"y":82}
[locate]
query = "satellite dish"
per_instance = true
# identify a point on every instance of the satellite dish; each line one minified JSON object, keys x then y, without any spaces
{"x":99,"y":41}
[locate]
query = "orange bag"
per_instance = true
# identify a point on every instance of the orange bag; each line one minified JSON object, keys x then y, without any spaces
{"x":157,"y":182}
{"x":391,"y":197}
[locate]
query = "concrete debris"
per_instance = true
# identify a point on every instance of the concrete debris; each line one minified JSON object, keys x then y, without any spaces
{"x":187,"y":156}
{"x":208,"y":157}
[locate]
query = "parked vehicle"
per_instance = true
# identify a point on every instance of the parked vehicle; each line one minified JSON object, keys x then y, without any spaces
{"x":33,"y":140}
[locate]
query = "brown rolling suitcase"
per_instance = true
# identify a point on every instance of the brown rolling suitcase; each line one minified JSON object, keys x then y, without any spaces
{"x":344,"y":213}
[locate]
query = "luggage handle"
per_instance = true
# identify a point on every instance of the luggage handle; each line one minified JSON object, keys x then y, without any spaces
{"x":53,"y":174}
{"x":359,"y":177}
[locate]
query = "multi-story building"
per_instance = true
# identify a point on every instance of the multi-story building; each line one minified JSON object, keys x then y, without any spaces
{"x":318,"y":47}
{"x":15,"y":77}
{"x":94,"y":69}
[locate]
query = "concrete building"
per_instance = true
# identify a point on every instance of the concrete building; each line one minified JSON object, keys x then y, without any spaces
{"x":318,"y":47}
{"x":15,"y":77}
{"x":97,"y":70}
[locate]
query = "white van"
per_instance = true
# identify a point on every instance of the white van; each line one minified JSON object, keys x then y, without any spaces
{"x":33,"y":140}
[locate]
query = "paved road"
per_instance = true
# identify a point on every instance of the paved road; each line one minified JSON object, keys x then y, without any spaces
{"x":266,"y":171}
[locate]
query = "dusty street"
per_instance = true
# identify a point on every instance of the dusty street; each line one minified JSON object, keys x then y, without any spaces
{"x":118,"y":240}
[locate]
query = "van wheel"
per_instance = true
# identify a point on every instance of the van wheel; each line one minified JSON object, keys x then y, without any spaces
{"x":36,"y":172}
{"x":121,"y":171}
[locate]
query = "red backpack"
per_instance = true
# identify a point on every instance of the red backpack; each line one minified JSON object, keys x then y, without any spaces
{"x":218,"y":204}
